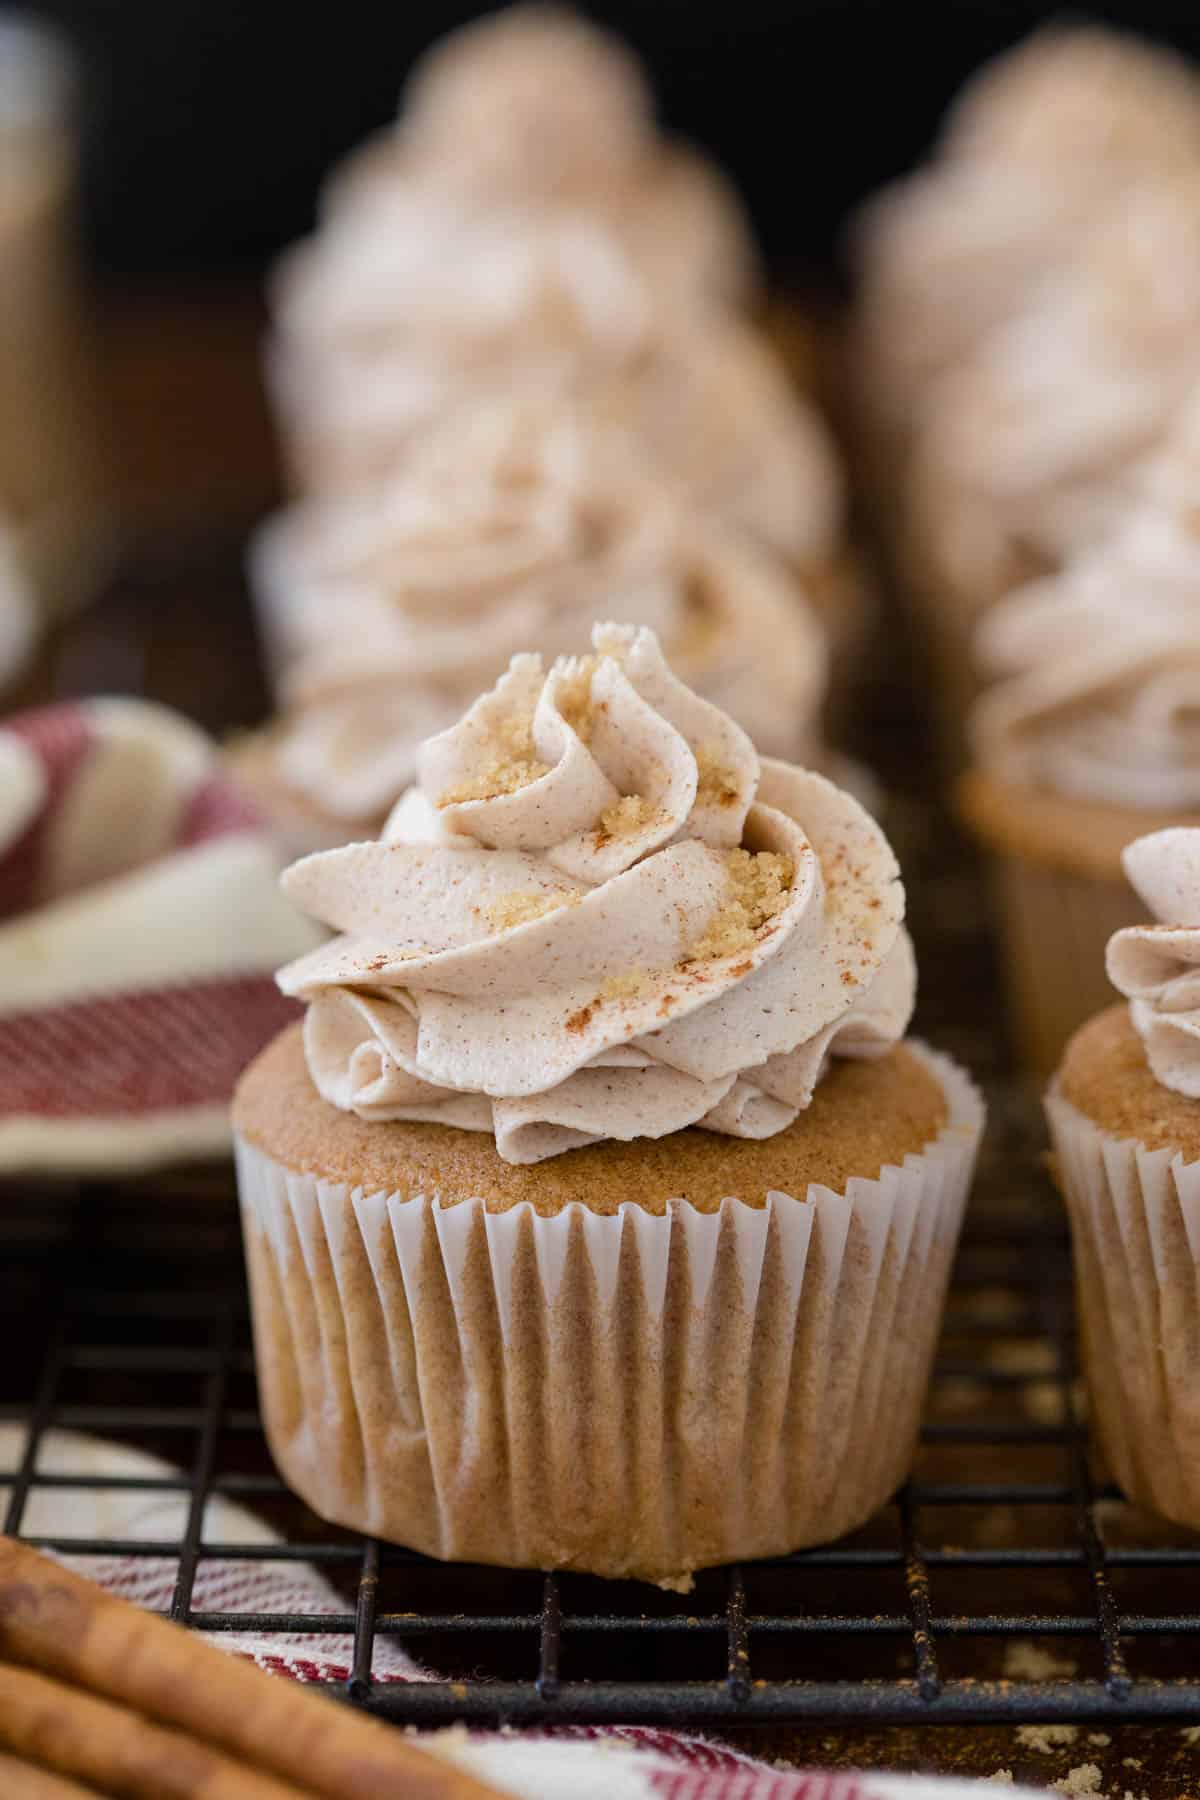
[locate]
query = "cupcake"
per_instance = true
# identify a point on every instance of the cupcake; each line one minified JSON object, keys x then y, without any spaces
{"x":599,"y":1217}
{"x":536,"y":107}
{"x":1088,"y":740}
{"x":1124,"y":1114}
{"x":1033,"y":154}
{"x":517,"y":523}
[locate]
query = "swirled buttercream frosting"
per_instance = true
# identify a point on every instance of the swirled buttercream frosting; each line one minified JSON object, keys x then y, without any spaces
{"x":1031,"y":445}
{"x":1116,"y":723}
{"x":1099,"y":696}
{"x":1157,"y":967}
{"x":600,"y":914}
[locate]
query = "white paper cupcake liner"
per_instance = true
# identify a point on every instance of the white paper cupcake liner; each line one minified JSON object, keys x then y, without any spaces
{"x":631,"y":1394}
{"x":1055,"y":927}
{"x":1135,"y":1226}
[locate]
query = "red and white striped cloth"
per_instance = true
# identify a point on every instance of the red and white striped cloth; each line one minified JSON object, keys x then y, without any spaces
{"x":627,"y":1763}
{"x":140,"y":925}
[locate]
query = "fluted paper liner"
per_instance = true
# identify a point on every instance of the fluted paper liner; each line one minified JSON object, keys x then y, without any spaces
{"x":1135,"y":1228}
{"x":630,"y":1394}
{"x":1055,"y":927}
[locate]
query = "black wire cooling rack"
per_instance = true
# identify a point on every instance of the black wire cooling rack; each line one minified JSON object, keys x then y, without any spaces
{"x":1001,"y":1584}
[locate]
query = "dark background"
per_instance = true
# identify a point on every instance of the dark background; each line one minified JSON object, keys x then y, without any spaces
{"x":207,"y":123}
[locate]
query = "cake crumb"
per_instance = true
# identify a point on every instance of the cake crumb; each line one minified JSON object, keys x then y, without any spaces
{"x":633,"y":985}
{"x":716,"y":785}
{"x":1190,"y":1734}
{"x":630,"y":814}
{"x":1131,"y":1762}
{"x":1046,"y":1739}
{"x":521,"y":907}
{"x":573,"y":696}
{"x":1004,"y":1776}
{"x":1029,"y":1662}
{"x":1099,"y":1739}
{"x":760,"y":883}
{"x":1082,"y":1780}
{"x":511,"y":765}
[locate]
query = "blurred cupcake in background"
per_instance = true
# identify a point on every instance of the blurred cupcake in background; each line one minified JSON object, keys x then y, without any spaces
{"x":1090,"y":737}
{"x":1037,"y":149}
{"x":1027,"y":452}
{"x":385,"y":612}
{"x":371,"y":352}
{"x":536,"y":107}
{"x":1124,"y":1115}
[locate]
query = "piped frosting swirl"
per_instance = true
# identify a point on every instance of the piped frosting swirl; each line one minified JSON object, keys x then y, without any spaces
{"x":601,"y":915}
{"x":1157,"y":967}
{"x":1099,"y":696}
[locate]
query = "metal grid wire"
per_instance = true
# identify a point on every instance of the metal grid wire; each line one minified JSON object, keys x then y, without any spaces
{"x":989,"y":1590}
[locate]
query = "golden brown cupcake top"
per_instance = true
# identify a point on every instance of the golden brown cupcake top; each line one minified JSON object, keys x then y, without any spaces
{"x":863,"y":1117}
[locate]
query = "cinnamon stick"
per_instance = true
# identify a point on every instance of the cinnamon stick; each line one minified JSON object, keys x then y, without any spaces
{"x":77,"y":1735}
{"x":54,"y":1621}
{"x":22,"y":1781}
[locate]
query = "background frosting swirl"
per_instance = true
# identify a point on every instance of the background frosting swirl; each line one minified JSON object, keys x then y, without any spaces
{"x":520,"y":523}
{"x":1099,"y":696}
{"x":601,"y":916}
{"x":1157,"y":967}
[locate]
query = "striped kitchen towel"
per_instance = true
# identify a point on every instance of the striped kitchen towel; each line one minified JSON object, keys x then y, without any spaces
{"x":140,"y":925}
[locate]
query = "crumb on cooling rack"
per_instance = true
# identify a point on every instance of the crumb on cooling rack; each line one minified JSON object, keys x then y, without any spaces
{"x":1024,"y":1661}
{"x":1046,"y":1739}
{"x":1080,"y":1781}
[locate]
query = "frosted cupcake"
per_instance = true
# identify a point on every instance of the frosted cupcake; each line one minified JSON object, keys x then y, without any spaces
{"x":1089,"y":740}
{"x":536,"y":107}
{"x":1124,"y":1112}
{"x":626,"y":1212}
{"x":1033,"y":154}
{"x":1027,"y":454}
{"x":518,"y":523}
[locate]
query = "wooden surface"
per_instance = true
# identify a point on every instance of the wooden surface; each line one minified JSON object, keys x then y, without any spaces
{"x":193,"y":465}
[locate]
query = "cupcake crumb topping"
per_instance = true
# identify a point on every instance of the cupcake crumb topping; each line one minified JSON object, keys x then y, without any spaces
{"x":631,"y":813}
{"x":760,"y":883}
{"x":575,"y":696}
{"x":512,"y":764}
{"x":521,"y":907}
{"x":716,"y":783}
{"x":633,"y":984}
